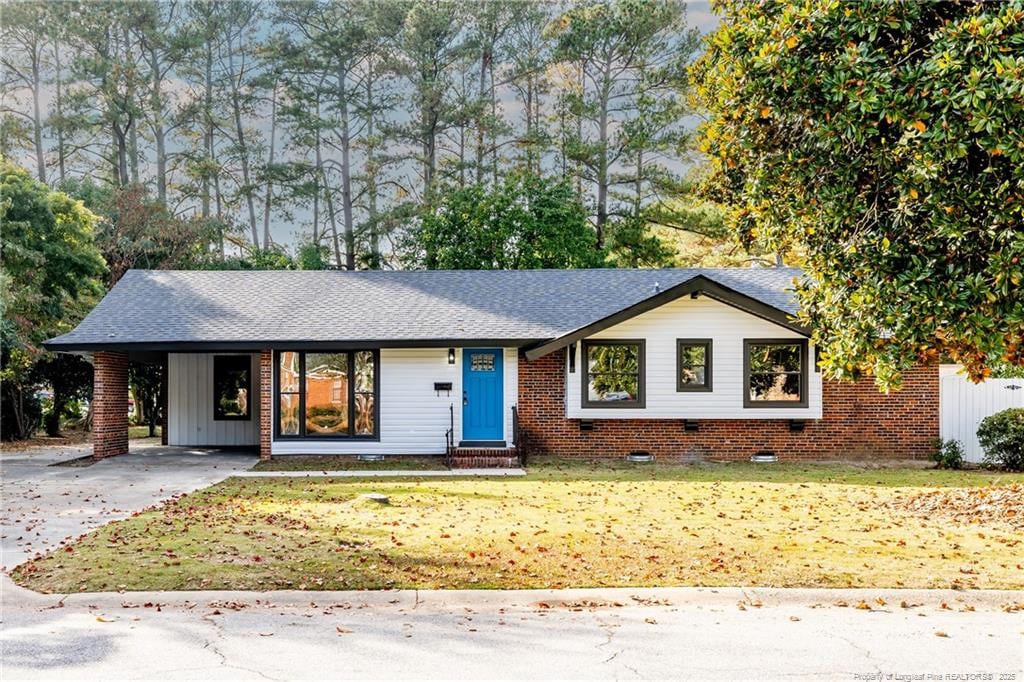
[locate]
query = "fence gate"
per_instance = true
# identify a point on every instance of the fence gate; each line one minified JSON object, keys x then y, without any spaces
{"x":963,"y":404}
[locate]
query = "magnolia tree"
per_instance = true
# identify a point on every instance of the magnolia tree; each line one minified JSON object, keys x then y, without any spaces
{"x":884,"y":144}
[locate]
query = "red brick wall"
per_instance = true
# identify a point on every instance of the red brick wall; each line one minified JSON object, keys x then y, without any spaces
{"x":110,"y":404}
{"x":857,"y":422}
{"x":266,"y":402}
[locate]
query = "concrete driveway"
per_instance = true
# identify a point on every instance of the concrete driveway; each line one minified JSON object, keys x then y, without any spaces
{"x":44,"y":504}
{"x":674,"y":633}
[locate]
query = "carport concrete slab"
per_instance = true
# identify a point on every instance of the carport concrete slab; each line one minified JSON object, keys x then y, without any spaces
{"x":44,"y":505}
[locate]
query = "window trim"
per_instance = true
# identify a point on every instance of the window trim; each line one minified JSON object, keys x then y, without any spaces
{"x":302,"y":435}
{"x":706,"y":387}
{"x":804,"y":386}
{"x":248,"y":403}
{"x":641,"y":400}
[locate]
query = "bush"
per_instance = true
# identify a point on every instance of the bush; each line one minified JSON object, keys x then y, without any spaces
{"x":949,"y":454}
{"x":1002,"y":437}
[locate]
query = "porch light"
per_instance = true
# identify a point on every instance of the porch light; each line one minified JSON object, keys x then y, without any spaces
{"x":451,"y":356}
{"x":572,"y":358}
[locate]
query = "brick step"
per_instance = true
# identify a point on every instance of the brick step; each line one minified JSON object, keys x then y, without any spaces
{"x":484,"y":458}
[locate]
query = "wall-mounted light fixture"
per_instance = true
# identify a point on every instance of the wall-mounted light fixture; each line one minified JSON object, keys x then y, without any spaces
{"x":572,"y":358}
{"x":451,"y":356}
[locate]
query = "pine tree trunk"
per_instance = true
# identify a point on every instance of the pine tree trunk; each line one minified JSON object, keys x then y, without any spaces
{"x":346,"y":171}
{"x":270,"y":162}
{"x":37,"y":119}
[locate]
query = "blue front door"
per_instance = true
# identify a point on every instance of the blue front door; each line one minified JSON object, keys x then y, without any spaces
{"x":482,"y":394}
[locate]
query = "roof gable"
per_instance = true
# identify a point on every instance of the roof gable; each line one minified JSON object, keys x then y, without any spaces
{"x":698,"y":285}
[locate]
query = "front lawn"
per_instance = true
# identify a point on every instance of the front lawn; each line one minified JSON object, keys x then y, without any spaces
{"x":567,"y":525}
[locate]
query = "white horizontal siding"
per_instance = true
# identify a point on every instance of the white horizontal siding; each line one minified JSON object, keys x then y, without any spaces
{"x":190,"y":404}
{"x":699,"y":318}
{"x":413,"y":417}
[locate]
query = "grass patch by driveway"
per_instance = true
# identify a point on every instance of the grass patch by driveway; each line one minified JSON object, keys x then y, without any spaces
{"x":564,"y":525}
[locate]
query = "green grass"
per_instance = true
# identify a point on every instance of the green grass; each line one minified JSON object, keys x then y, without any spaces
{"x":135,"y":432}
{"x":564,"y":525}
{"x":350,"y":463}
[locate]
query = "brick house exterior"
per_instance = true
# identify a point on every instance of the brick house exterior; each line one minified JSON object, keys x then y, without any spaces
{"x":485,"y":365}
{"x":857,"y":422}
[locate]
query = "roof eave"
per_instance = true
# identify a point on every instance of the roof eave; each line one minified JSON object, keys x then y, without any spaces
{"x":58,"y":346}
{"x":700,"y":285}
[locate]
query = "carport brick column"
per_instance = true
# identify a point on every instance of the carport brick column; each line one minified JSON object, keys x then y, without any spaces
{"x":110,"y":404}
{"x":266,"y":402}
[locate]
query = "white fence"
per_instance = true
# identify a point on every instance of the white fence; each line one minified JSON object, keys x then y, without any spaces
{"x":963,"y":404}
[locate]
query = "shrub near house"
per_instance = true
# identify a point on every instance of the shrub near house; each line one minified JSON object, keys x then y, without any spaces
{"x":1002,"y":437}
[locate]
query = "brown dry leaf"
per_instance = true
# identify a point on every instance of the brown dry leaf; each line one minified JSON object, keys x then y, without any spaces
{"x":101,"y":619}
{"x":342,"y":631}
{"x":940,"y":633}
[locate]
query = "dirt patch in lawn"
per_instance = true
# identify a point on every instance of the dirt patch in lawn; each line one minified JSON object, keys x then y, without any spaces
{"x":969,"y":506}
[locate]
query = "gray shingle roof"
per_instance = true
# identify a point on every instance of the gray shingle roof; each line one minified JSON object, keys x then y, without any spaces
{"x":176,"y":306}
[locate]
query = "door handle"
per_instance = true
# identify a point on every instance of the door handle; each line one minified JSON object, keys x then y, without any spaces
{"x":465,"y":399}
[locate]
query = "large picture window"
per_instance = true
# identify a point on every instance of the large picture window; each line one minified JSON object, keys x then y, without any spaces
{"x":327,"y":395}
{"x":693,"y":365}
{"x":232,"y":387}
{"x":775,"y":373}
{"x":614,"y":373}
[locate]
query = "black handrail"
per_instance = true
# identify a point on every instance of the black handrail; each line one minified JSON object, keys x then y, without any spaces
{"x":449,"y":437}
{"x":517,"y":436}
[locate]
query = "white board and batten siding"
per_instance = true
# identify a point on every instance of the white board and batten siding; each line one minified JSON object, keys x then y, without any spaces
{"x":963,"y":404}
{"x":413,"y":416}
{"x":190,"y":404}
{"x":700,"y":318}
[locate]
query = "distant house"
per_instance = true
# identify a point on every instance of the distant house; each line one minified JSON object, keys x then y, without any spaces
{"x":483,"y":365}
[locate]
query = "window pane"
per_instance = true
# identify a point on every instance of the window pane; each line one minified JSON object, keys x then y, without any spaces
{"x":289,"y":372}
{"x":231,"y":386}
{"x":778,"y":386}
{"x":693,"y":375}
{"x":326,"y":394}
{"x":364,"y":371}
{"x":775,"y":357}
{"x":775,"y":372}
{"x":613,"y":387}
{"x":693,"y":365}
{"x":364,"y":414}
{"x":622,"y":359}
{"x":288,"y":414}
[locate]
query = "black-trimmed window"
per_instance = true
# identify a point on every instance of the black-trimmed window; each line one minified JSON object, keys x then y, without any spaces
{"x":775,"y":373}
{"x":328,"y":395}
{"x":614,"y":374}
{"x":693,"y":365}
{"x":232,"y":387}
